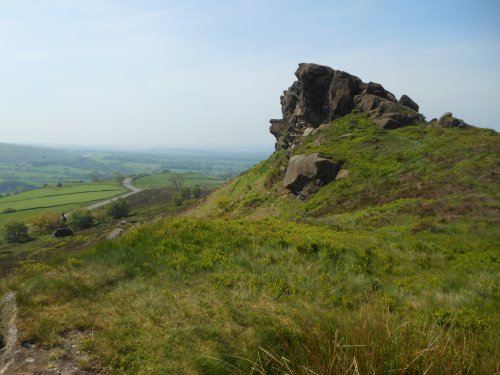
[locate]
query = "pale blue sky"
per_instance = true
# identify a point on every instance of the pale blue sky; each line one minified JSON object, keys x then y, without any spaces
{"x":206,"y":72}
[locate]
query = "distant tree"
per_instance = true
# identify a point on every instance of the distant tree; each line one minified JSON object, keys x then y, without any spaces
{"x":59,"y":185}
{"x":15,"y":232}
{"x":186,"y":192}
{"x":177,"y":181}
{"x":118,"y":209}
{"x":9,"y":210}
{"x":80,"y":219}
{"x":197,"y":191}
{"x":94,"y":176}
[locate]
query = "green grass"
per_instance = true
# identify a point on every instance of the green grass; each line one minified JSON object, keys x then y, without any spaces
{"x":394,"y":269}
{"x":452,"y":172}
{"x":62,"y":199}
{"x":188,"y":180}
{"x":206,"y":296}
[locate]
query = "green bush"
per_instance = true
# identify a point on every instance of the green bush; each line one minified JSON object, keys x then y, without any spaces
{"x":186,"y":192}
{"x":178,"y":200}
{"x":45,"y":223}
{"x":118,"y":209}
{"x":80,"y":219}
{"x":196,"y":191}
{"x":16,"y":232}
{"x":9,"y":210}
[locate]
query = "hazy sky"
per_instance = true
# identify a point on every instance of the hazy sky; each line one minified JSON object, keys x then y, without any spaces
{"x":206,"y":72}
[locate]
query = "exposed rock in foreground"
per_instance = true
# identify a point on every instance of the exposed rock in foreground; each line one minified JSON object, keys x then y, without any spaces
{"x":322,"y":94}
{"x":306,"y":173}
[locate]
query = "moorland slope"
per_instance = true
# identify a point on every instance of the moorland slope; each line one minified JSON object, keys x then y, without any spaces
{"x":367,"y":243}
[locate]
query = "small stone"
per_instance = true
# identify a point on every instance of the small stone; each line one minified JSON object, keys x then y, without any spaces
{"x":308,"y":132}
{"x":447,"y":114}
{"x":343,"y":173}
{"x":115,"y":233}
{"x":30,"y":360}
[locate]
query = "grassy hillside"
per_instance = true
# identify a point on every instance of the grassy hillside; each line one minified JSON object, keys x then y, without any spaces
{"x":393,"y":269}
{"x":409,"y":176}
{"x":200,"y":296}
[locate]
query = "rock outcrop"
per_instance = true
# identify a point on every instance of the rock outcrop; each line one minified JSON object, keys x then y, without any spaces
{"x":322,"y":94}
{"x":306,"y":173}
{"x":448,"y":121}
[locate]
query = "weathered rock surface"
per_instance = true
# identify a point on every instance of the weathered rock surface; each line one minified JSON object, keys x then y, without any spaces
{"x":62,"y":232}
{"x":322,"y":94}
{"x":115,"y":233}
{"x":343,"y":173}
{"x":406,"y":101}
{"x":307,"y":172}
{"x":448,"y":121}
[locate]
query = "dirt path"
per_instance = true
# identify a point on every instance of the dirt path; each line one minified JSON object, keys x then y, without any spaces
{"x":127,"y":183}
{"x":27,"y":358}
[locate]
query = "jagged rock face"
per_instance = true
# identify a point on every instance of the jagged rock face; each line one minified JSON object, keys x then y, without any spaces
{"x":306,"y":173}
{"x":322,"y":94}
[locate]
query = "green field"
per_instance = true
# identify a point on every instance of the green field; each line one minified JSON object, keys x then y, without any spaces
{"x":61,"y":199}
{"x":187,"y":180}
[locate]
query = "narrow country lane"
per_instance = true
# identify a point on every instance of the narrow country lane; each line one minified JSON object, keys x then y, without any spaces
{"x":127,"y":183}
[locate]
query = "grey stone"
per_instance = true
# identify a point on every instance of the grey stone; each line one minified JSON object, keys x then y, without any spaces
{"x":447,"y":114}
{"x":406,"y":101}
{"x":304,"y":170}
{"x":308,"y":132}
{"x":343,"y":173}
{"x":452,"y":122}
{"x":115,"y":233}
{"x":62,"y":232}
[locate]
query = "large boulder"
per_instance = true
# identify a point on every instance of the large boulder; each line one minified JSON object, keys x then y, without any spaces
{"x":389,"y":115}
{"x":309,"y":171}
{"x":406,"y":101}
{"x":322,"y":94}
{"x":62,"y":232}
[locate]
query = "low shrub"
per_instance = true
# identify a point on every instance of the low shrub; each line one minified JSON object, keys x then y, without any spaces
{"x":118,"y":209}
{"x":16,"y":232}
{"x":80,"y":219}
{"x":45,"y":223}
{"x":186,"y":192}
{"x":178,"y":200}
{"x":9,"y":210}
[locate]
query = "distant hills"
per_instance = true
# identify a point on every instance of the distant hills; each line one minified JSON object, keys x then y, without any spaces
{"x":25,"y":167}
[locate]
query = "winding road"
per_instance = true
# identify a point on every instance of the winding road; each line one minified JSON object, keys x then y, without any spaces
{"x":127,"y":183}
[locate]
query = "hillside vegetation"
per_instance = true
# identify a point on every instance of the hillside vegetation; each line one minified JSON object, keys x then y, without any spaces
{"x":415,"y":176}
{"x":393,"y":269}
